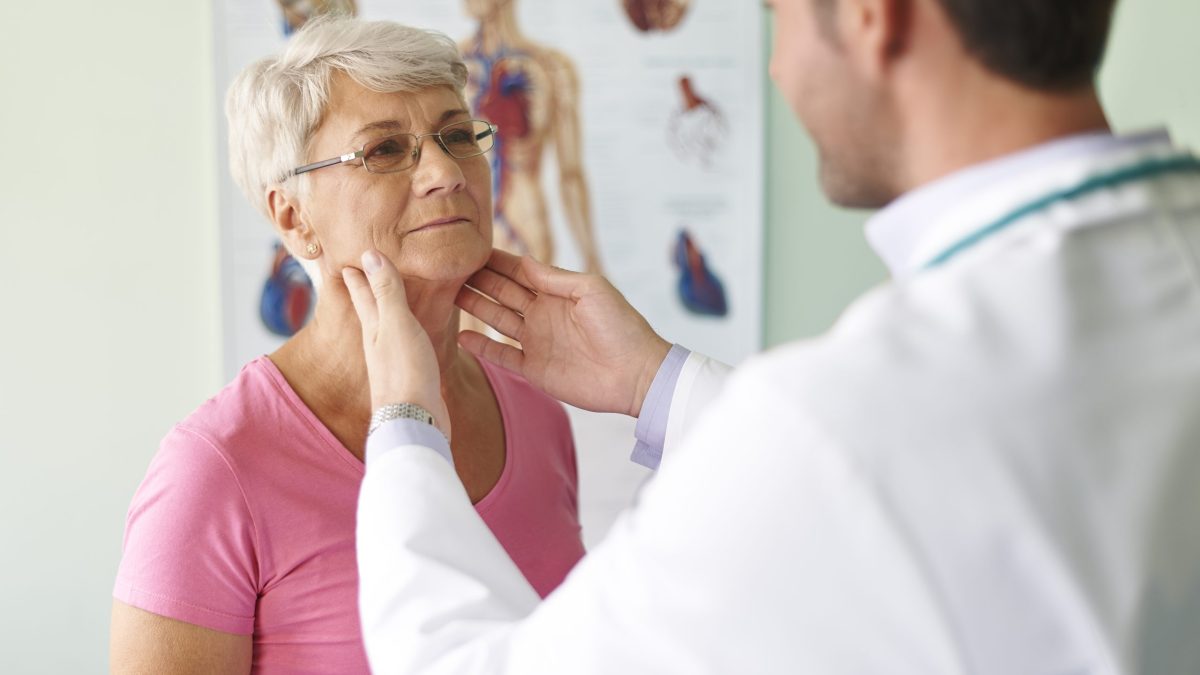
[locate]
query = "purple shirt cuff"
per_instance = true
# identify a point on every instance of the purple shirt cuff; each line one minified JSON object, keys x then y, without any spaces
{"x":651,"y":431}
{"x":396,"y":433}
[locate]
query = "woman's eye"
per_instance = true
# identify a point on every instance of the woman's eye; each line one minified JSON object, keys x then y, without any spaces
{"x":459,"y":137}
{"x":389,"y":147}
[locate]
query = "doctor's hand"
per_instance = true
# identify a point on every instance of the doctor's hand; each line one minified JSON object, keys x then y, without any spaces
{"x":401,"y":364}
{"x":581,"y":341}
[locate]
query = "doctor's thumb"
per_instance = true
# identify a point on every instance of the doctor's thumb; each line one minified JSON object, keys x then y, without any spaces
{"x":385,"y":280}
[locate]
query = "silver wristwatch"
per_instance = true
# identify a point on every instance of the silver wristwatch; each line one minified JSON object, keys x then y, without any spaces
{"x":399,"y":411}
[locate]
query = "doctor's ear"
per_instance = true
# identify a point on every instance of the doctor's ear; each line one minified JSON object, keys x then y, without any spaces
{"x":876,"y":32}
{"x":290,"y":223}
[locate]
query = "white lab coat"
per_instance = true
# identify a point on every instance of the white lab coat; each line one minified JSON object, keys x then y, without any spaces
{"x":990,"y":466}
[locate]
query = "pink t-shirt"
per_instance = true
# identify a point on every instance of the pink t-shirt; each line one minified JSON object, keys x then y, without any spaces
{"x":244,"y":522}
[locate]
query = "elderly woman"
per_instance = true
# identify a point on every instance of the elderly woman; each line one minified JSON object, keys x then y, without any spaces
{"x":239,"y":546}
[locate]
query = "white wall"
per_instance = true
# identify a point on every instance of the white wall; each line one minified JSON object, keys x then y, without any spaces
{"x":108,"y":288}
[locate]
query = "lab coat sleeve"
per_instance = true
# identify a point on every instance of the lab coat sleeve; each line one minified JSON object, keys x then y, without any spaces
{"x":433,"y":577}
{"x":685,"y":383}
{"x":780,"y":561}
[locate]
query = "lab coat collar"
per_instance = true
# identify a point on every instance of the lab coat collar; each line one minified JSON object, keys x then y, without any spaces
{"x":915,"y":228}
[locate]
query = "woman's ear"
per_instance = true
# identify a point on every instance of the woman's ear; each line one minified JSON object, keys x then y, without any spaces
{"x":285,"y":214}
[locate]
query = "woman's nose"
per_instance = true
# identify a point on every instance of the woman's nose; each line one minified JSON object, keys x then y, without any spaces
{"x":436,"y":170}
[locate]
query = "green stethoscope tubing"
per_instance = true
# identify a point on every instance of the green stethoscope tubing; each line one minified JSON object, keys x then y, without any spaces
{"x":1149,"y":169}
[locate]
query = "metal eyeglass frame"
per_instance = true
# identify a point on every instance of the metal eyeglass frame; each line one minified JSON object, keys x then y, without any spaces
{"x":360,"y":154}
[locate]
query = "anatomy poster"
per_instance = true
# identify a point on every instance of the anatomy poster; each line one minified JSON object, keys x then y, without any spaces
{"x":630,"y":144}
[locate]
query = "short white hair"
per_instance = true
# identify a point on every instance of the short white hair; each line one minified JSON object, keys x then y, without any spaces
{"x":276,"y":105}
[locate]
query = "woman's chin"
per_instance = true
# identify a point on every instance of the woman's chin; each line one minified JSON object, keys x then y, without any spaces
{"x":451,"y":262}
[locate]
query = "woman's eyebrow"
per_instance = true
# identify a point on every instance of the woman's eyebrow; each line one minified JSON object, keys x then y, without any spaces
{"x":381,"y":125}
{"x":449,"y":114}
{"x":395,"y":126}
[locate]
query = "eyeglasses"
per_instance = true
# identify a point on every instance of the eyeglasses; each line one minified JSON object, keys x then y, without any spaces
{"x":402,"y":151}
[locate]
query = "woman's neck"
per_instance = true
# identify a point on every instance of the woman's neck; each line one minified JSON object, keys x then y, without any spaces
{"x":324,"y":362}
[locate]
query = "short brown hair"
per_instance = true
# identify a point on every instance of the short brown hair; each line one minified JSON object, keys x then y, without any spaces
{"x":1054,"y":45}
{"x":1043,"y":44}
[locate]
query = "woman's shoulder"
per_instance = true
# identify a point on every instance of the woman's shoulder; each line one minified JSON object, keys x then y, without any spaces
{"x":259,"y":429}
{"x":207,"y":465}
{"x":251,"y":408}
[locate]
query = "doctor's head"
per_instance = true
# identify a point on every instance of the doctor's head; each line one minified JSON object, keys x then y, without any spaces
{"x":871,"y":80}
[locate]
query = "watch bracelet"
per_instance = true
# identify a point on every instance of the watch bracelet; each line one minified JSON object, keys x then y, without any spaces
{"x":398,"y":411}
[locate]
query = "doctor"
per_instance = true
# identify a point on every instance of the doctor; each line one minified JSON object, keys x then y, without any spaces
{"x":989,"y":465}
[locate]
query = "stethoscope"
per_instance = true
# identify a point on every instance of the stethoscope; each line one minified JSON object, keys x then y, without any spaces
{"x":1148,"y":169}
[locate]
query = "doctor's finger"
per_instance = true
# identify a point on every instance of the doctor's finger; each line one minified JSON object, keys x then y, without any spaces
{"x":504,"y":320}
{"x":388,"y":289}
{"x":362,"y":297}
{"x":502,"y":289}
{"x":505,"y":356}
{"x":556,"y":281}
{"x":508,"y":265}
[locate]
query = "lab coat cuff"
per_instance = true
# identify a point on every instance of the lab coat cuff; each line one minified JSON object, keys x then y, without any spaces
{"x":404,"y":432}
{"x":651,"y":430}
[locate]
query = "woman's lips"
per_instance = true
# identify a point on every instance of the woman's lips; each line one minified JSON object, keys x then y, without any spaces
{"x":440,"y":222}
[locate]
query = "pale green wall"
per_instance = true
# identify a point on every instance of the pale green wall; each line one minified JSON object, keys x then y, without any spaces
{"x":1152,"y":75}
{"x":816,"y":257}
{"x":108,"y":296}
